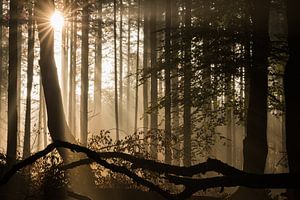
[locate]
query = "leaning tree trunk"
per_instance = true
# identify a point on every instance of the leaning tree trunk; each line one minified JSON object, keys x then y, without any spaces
{"x":57,"y":124}
{"x":292,"y":95}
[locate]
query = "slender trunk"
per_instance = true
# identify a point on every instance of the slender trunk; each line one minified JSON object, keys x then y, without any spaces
{"x":128,"y":67}
{"x":187,"y":86}
{"x":116,"y":71}
{"x":154,"y":108}
{"x":98,"y":62}
{"x":292,"y":95}
{"x":145,"y":67}
{"x":121,"y":67}
{"x":84,"y":76}
{"x":19,"y":79}
{"x":12,"y":133}
{"x":72,"y":80}
{"x":228,"y":96}
{"x":64,"y":62}
{"x":137,"y":68}
{"x":1,"y":58}
{"x":168,"y":127}
{"x":175,"y":82}
{"x":30,"y":60}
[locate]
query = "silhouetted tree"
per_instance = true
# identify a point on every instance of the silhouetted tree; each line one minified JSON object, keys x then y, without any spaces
{"x":292,"y":95}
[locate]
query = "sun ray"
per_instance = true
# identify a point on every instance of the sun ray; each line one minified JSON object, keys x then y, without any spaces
{"x":57,"y":20}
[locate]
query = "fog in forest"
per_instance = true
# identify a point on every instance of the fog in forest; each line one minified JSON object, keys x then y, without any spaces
{"x":154,"y":99}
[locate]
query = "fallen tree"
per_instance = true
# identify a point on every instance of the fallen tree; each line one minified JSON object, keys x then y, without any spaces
{"x":229,"y":177}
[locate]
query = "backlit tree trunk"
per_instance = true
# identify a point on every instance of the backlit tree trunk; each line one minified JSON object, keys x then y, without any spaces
{"x":30,"y":59}
{"x":145,"y":67}
{"x":84,"y":76}
{"x":72,"y":79}
{"x":98,"y":62}
{"x":116,"y":71}
{"x":57,"y":124}
{"x":137,"y":69}
{"x":12,"y":118}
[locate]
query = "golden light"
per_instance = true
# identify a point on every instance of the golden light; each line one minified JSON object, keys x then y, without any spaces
{"x":57,"y":20}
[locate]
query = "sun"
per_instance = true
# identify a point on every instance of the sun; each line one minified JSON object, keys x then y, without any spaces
{"x":57,"y":20}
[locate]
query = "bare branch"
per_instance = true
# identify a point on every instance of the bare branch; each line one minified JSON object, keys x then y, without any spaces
{"x":175,"y":174}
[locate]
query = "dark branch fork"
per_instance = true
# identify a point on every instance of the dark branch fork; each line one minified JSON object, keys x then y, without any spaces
{"x":175,"y":174}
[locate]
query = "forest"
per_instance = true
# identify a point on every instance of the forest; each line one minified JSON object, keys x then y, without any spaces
{"x":152,"y":99}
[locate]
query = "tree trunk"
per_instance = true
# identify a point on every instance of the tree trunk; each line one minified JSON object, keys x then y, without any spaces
{"x":168,"y":83}
{"x":292,"y":95}
{"x":1,"y":58}
{"x":175,"y":82}
{"x":12,"y":118}
{"x":98,"y":63}
{"x":57,"y":124}
{"x":64,"y":62}
{"x":84,"y":76}
{"x":137,"y":69}
{"x":187,"y":86}
{"x":255,"y":143}
{"x":128,"y":99}
{"x":145,"y":67}
{"x":30,"y":60}
{"x":154,"y":106}
{"x":72,"y":80}
{"x":116,"y":71}
{"x":121,"y":67}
